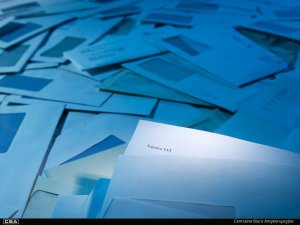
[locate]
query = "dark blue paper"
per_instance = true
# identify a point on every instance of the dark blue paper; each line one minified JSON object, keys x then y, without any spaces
{"x":17,"y":31}
{"x":275,"y":27}
{"x":67,"y":44}
{"x":197,"y":5}
{"x":9,"y":125}
{"x":11,"y":56}
{"x":24,"y":82}
{"x":169,"y":17}
{"x":287,"y":13}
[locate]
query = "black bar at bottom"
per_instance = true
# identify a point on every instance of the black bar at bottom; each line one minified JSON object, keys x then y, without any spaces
{"x":151,"y":221}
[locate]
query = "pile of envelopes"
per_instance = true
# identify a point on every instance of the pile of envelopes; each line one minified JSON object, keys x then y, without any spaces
{"x":149,"y":109}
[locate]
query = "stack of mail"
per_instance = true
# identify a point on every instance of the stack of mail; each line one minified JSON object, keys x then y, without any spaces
{"x":171,"y":172}
{"x":78,"y":76}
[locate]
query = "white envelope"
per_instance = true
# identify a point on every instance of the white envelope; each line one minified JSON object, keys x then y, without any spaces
{"x":283,"y":4}
{"x":176,"y":113}
{"x":44,"y":194}
{"x":103,"y":7}
{"x":128,"y":104}
{"x":98,"y":74}
{"x":272,"y":118}
{"x":118,"y":11}
{"x":92,"y":206}
{"x":68,"y":206}
{"x":41,"y":65}
{"x":40,"y":205}
{"x":75,"y":118}
{"x":23,"y":164}
{"x":210,"y":121}
{"x":216,"y":7}
{"x":76,"y":8}
{"x":288,"y":30}
{"x":121,"y":104}
{"x":116,"y":103}
{"x":169,"y":17}
{"x":161,"y":139}
{"x":126,"y":81}
{"x":79,"y":33}
{"x":280,"y":13}
{"x":15,"y":7}
{"x":86,"y":171}
{"x":55,"y":7}
{"x":165,"y":112}
{"x":59,"y":187}
{"x":130,"y":25}
{"x":236,"y":4}
{"x":43,"y":200}
{"x":19,"y":55}
{"x":229,"y":66}
{"x":85,"y":135}
{"x":192,"y":82}
{"x":2,"y":97}
{"x":54,"y":84}
{"x":121,"y":208}
{"x":253,"y":188}
{"x":111,"y":51}
{"x":27,"y":28}
{"x":203,"y":210}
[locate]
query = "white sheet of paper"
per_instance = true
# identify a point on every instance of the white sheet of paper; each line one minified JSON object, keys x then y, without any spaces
{"x":161,"y":139}
{"x":252,"y":188}
{"x":22,"y":163}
